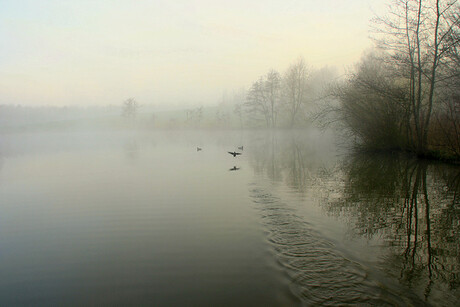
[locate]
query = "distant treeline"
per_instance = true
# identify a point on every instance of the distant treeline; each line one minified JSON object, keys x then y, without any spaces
{"x":405,"y":95}
{"x":285,"y":100}
{"x":273,"y":101}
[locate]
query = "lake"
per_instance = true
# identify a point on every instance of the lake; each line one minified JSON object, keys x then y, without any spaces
{"x":143,"y":218}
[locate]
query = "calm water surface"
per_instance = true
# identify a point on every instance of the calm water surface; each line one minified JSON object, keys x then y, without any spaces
{"x":91,"y":218}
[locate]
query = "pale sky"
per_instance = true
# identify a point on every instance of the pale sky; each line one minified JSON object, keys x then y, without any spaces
{"x":100,"y":52}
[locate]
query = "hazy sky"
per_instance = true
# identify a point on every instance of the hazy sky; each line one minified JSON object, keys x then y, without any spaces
{"x":99,"y":52}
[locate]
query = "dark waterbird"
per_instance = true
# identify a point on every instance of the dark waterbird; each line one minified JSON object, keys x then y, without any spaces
{"x":234,"y":153}
{"x":234,"y":168}
{"x":198,"y":148}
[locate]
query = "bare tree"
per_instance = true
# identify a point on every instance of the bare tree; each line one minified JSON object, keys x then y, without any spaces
{"x":129,"y":108}
{"x":420,"y":35}
{"x":273,"y":90}
{"x":263,"y":97}
{"x":373,"y":105}
{"x":194,"y":116}
{"x":295,"y":89}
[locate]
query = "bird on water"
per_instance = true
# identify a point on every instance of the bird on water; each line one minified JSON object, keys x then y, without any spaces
{"x":198,"y":148}
{"x":234,"y":153}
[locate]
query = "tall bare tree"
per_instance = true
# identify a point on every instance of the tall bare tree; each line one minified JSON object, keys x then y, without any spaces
{"x":419,"y":35}
{"x":295,"y":89}
{"x":264,"y":96}
{"x":129,"y":108}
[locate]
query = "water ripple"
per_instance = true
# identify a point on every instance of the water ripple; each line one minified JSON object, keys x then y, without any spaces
{"x":318,"y":273}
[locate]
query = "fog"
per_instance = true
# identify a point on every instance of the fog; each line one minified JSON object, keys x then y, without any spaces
{"x":180,"y":53}
{"x":235,"y":153}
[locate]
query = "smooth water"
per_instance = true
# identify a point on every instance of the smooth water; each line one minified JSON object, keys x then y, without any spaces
{"x":96,"y":218}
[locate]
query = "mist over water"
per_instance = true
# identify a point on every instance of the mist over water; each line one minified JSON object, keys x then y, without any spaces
{"x":145,"y":218}
{"x":205,"y":153}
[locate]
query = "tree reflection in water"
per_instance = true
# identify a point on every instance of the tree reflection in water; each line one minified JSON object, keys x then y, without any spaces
{"x":414,"y":206}
{"x":286,"y":157}
{"x":131,"y":149}
{"x":411,"y":206}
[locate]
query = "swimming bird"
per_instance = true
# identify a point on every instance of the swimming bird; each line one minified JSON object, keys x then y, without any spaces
{"x":198,"y":148}
{"x":240,"y":148}
{"x":234,"y":168}
{"x":234,"y":154}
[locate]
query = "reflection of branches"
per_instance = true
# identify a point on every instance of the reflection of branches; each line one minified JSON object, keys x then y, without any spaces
{"x":264,"y":157}
{"x":131,"y":148}
{"x":318,"y":273}
{"x":370,"y":191}
{"x":284,"y":156}
{"x":296,"y":166}
{"x":412,"y":205}
{"x":415,"y":207}
{"x":412,"y":215}
{"x":428,"y":233}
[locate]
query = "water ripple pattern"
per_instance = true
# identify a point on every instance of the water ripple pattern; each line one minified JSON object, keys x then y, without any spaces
{"x":318,"y":274}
